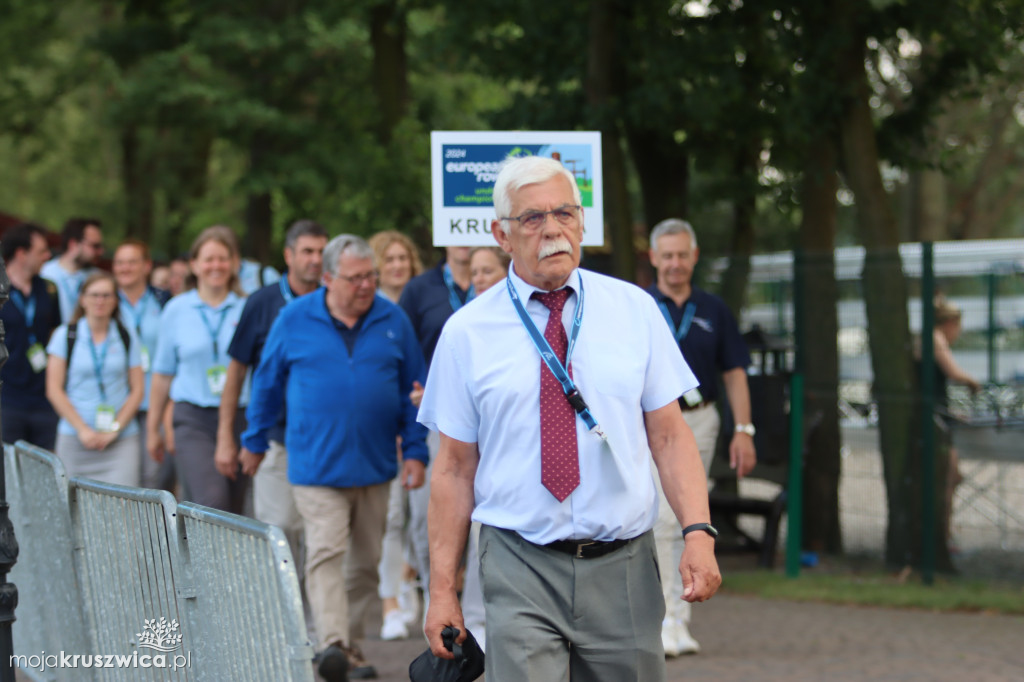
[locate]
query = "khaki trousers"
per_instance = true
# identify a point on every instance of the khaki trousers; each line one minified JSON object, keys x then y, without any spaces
{"x":704,"y":422}
{"x":343,"y":531}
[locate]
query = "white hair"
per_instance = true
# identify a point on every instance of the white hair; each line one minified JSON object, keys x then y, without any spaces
{"x":342,"y":244}
{"x":517,"y":172}
{"x":672,"y":226}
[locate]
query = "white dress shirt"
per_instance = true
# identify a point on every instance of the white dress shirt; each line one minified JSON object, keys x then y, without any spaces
{"x":484,"y":388}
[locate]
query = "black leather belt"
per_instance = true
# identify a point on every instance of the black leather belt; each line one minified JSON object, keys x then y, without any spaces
{"x":587,"y":549}
{"x":690,"y":408}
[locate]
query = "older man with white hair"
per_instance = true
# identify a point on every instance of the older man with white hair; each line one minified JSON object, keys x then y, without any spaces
{"x":342,"y":361}
{"x":546,"y":439}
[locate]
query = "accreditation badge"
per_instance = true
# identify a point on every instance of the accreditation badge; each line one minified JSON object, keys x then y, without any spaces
{"x":216,"y":376}
{"x":693,"y":397}
{"x":106,"y":417}
{"x":144,"y":352}
{"x":36,"y":357}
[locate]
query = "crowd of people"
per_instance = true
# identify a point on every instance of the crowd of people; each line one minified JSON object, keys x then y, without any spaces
{"x":358,"y":395}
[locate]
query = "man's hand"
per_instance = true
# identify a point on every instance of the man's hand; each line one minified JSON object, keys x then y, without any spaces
{"x":742,"y":456}
{"x":225,"y":457}
{"x":444,"y":611}
{"x":416,"y":395}
{"x":414,"y":474}
{"x":699,"y":568}
{"x":250,"y":461}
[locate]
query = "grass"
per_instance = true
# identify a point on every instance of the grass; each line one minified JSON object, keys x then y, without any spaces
{"x":879,"y":589}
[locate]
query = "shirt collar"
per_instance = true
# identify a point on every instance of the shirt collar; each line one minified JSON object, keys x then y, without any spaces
{"x":526,"y":290}
{"x":231,"y":299}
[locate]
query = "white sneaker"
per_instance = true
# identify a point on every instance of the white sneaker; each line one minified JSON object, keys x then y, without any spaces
{"x":685,"y":643}
{"x":669,"y":639}
{"x":394,"y":626}
{"x":409,"y":601}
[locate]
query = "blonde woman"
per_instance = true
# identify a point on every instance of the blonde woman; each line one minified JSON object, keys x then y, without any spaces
{"x":95,"y":383}
{"x":398,"y":261}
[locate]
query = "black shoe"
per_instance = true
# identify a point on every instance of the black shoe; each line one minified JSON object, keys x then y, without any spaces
{"x":333,"y":666}
{"x":358,"y":668}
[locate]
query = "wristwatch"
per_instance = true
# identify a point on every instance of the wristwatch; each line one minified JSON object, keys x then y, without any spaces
{"x":706,"y":527}
{"x":115,"y":426}
{"x":747,"y":429}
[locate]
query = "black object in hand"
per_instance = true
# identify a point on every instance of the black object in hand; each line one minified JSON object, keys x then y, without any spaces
{"x":467,"y":666}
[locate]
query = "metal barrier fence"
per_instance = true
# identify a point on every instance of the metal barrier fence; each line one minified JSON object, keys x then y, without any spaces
{"x":141,"y":588}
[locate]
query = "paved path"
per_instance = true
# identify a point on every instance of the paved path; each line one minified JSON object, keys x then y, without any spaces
{"x":757,"y":640}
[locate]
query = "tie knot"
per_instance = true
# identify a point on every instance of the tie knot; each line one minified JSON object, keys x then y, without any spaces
{"x":553,"y":300}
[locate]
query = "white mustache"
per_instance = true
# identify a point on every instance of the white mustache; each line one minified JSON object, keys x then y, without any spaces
{"x":553,"y":247}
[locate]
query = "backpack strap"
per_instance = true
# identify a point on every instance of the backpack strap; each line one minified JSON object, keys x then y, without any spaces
{"x":126,"y":339}
{"x":72,"y":337}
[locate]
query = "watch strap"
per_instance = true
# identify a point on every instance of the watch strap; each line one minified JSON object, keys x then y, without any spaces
{"x":706,"y":527}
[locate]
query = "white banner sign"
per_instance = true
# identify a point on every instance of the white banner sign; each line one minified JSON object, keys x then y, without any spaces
{"x":465,"y":164}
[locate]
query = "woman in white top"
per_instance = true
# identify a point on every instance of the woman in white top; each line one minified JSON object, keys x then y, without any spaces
{"x":97,"y":387}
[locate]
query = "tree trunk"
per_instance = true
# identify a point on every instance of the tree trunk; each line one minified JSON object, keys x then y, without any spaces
{"x":390,"y":66}
{"x":189,"y":173}
{"x":602,"y":79}
{"x":259,"y":224}
{"x":664,"y":170}
{"x":137,"y":179}
{"x":821,"y":526}
{"x":885,"y":298}
{"x":734,"y":281}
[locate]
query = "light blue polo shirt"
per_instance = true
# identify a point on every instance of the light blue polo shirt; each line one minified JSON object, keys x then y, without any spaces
{"x":68,"y":285}
{"x":194,"y":338}
{"x":144,"y":319}
{"x":83,"y":385}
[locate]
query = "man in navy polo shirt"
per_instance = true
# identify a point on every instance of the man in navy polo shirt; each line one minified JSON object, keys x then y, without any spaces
{"x":28,"y":319}
{"x":272,"y":494}
{"x":429,"y":300}
{"x":711,"y":344}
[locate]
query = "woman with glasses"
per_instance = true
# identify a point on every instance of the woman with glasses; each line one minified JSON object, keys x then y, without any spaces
{"x":95,"y":382}
{"x":190,"y":366}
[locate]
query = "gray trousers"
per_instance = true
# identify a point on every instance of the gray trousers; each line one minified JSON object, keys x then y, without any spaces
{"x":553,"y":617}
{"x":195,"y":441}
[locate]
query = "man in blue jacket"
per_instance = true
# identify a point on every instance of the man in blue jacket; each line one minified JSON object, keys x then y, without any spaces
{"x":343,"y":361}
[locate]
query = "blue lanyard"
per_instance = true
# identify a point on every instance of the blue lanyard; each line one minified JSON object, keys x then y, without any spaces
{"x":27,"y":306}
{"x":138,"y":311}
{"x":98,"y":361}
{"x":684,"y":326}
{"x":286,"y":291}
{"x":548,"y":355}
{"x":214,"y":333}
{"x":71,"y":284}
{"x":453,"y":295}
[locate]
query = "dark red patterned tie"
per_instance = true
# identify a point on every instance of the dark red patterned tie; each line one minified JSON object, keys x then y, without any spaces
{"x":559,"y":453}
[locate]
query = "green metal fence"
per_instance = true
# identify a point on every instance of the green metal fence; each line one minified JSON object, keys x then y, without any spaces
{"x":979,"y":530}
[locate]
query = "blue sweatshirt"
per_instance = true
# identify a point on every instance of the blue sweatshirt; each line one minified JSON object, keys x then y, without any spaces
{"x":343,"y":409}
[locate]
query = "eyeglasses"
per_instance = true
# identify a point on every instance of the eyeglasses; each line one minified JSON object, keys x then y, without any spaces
{"x":356,"y":280}
{"x":95,"y":246}
{"x":532,"y":220}
{"x":99,"y":295}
